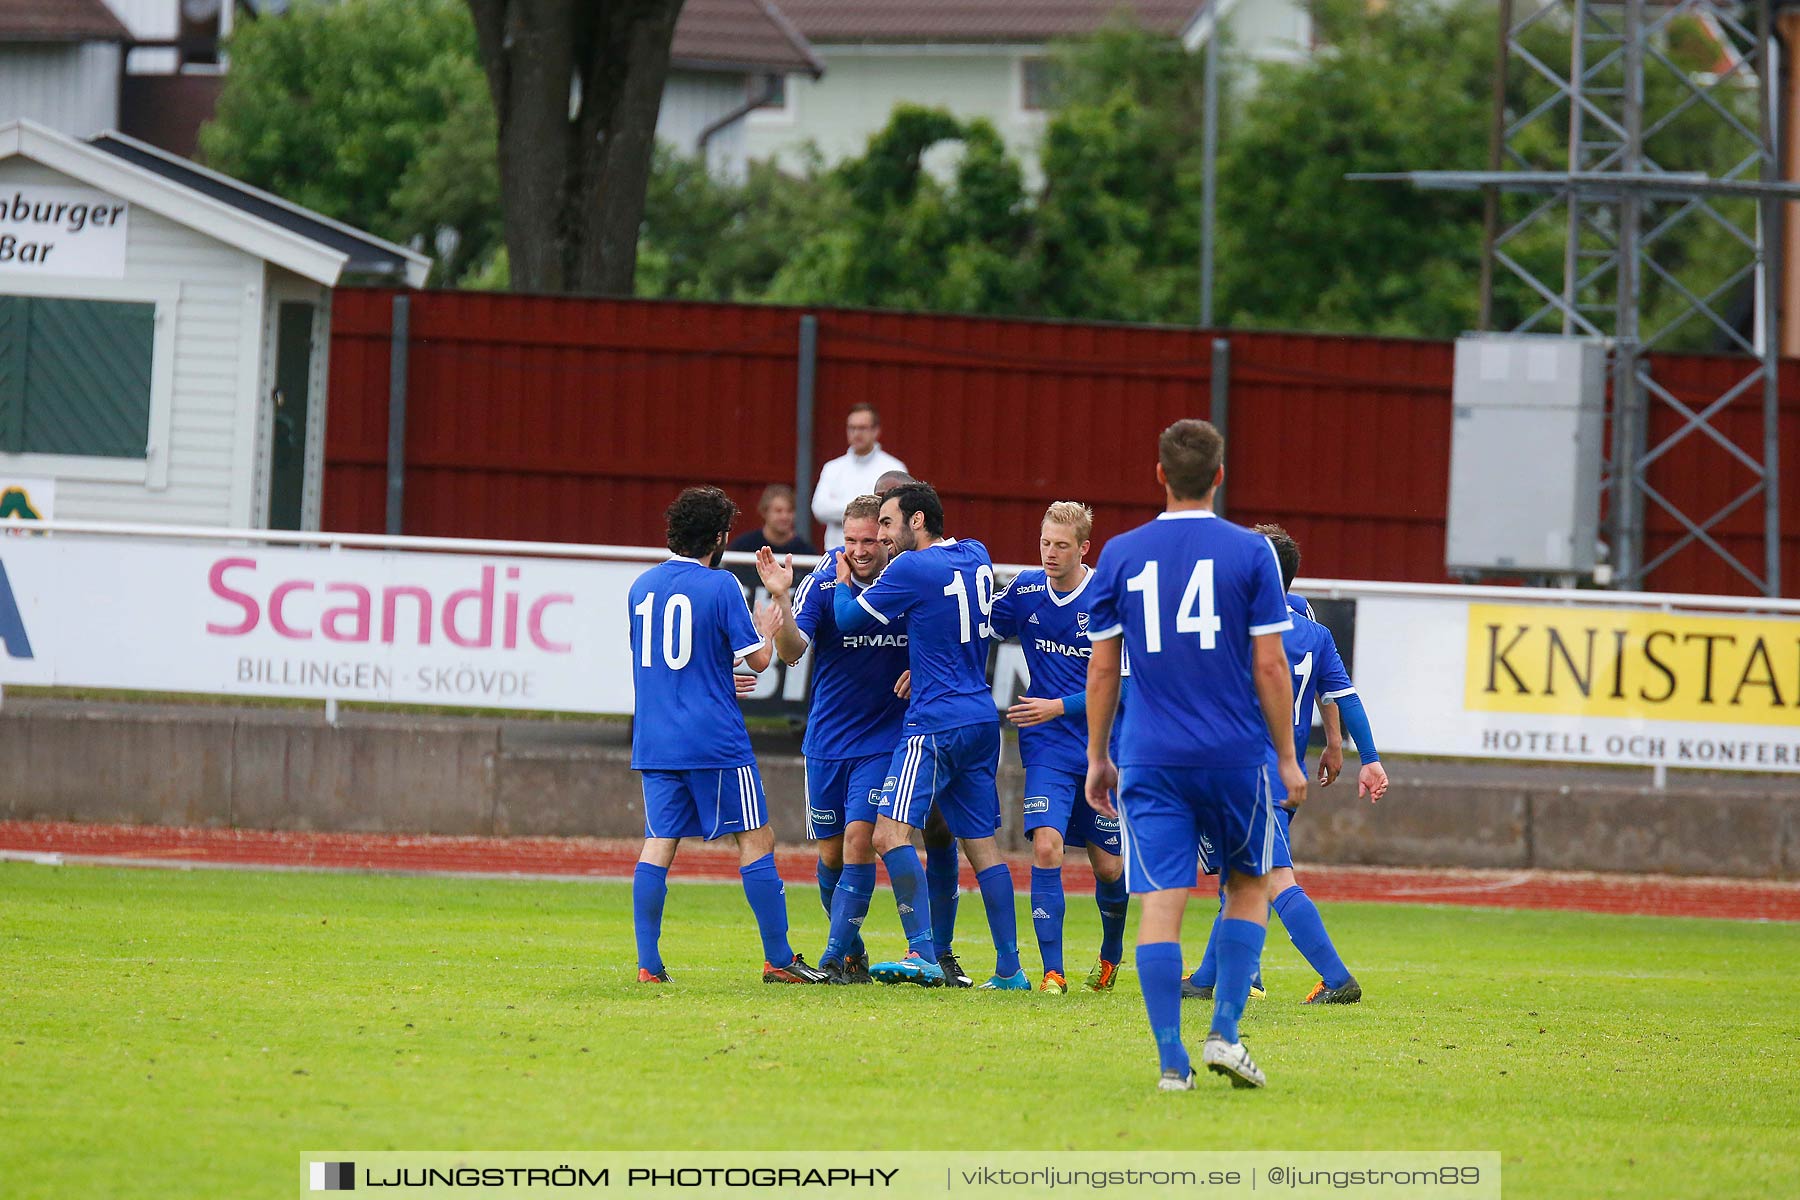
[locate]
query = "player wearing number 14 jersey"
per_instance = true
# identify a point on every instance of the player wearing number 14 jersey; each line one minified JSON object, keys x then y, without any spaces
{"x":950,"y":745}
{"x":689,"y":626}
{"x":1197,"y":604}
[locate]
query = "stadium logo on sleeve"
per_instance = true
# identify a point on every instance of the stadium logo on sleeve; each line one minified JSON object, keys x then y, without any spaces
{"x":12,"y":624}
{"x":333,"y":1176}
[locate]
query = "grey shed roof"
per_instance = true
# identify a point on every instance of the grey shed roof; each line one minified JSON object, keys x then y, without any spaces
{"x":366,"y":255}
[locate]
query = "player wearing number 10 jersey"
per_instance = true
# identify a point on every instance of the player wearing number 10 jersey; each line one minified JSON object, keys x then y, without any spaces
{"x":951,"y":740}
{"x":1197,"y":603}
{"x":689,"y":625}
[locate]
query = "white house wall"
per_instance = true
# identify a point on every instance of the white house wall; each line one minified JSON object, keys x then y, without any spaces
{"x":691,"y":101}
{"x":861,"y":86}
{"x":216,"y":340}
{"x":74,"y":89}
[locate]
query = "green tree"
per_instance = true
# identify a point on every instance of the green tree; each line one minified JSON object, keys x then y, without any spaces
{"x":372,"y":112}
{"x":1407,"y":87}
{"x":901,"y":238}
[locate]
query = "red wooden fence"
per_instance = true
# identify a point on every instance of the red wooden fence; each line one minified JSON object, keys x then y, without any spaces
{"x":578,"y":420}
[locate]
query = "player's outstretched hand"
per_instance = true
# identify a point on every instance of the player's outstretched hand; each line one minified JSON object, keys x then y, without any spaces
{"x":1372,"y":781}
{"x":768,"y":617}
{"x":1102,"y":781}
{"x":778,"y":577}
{"x":1294,"y":779}
{"x":1331,"y":764}
{"x":903,"y":685}
{"x":1033,"y":711}
{"x":745,"y":684}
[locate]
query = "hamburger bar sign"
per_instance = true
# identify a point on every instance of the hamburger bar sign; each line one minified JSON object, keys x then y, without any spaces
{"x":62,"y":231}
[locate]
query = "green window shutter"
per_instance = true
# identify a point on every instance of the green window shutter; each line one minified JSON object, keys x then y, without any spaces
{"x":86,"y":377}
{"x":12,"y":373}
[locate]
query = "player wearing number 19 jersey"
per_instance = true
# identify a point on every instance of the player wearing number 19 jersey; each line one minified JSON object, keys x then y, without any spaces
{"x":689,"y":625}
{"x":951,"y":741}
{"x":1197,"y":603}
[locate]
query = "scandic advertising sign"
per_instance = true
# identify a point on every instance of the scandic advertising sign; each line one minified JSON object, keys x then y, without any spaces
{"x":432,"y":629}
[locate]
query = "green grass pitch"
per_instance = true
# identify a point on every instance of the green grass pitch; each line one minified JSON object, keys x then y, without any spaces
{"x":177,"y":1033}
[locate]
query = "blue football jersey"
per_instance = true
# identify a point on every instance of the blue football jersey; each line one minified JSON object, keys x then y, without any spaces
{"x":1053,"y":631}
{"x":1188,"y":591}
{"x":854,"y":711}
{"x":946,"y":592}
{"x":1300,"y":606}
{"x":1318,"y":674}
{"x":689,"y":626}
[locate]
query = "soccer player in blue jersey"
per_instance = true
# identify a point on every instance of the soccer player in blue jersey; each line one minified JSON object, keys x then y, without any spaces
{"x":942,"y":876}
{"x":944,"y":587}
{"x":1318,"y":674}
{"x":1048,"y":611}
{"x":689,"y":626}
{"x":1198,"y":605}
{"x":852,"y":726}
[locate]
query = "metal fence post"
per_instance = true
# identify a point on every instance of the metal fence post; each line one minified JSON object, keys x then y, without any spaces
{"x":803,"y":421}
{"x":398,"y":349}
{"x":1220,"y":406}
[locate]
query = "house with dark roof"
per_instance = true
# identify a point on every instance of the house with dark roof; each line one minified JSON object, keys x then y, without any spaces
{"x":977,"y":58}
{"x":60,"y":63}
{"x":153,"y":68}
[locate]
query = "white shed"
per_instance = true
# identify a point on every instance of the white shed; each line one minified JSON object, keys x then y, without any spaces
{"x":164,"y":333}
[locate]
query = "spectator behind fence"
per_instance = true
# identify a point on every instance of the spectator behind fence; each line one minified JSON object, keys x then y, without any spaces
{"x":853,"y":474}
{"x":777,"y":532}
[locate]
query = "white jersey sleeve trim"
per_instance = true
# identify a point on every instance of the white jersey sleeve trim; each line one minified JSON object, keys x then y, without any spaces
{"x":870,"y":609}
{"x":1259,"y":630}
{"x":1102,"y":635}
{"x":739,"y":656}
{"x":1349,"y":691}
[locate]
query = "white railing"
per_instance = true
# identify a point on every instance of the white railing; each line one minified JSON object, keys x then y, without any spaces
{"x":1334,"y":589}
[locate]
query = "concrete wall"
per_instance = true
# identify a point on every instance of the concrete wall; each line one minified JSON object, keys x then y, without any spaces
{"x":286,"y":770}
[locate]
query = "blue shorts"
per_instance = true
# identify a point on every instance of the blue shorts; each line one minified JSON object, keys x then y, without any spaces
{"x":953,"y":770}
{"x":707,"y":803}
{"x":1058,"y":800}
{"x":1284,"y":850}
{"x":1173,"y":817}
{"x":840,"y":791}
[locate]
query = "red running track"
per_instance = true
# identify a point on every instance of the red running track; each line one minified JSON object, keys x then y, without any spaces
{"x":147,"y":845}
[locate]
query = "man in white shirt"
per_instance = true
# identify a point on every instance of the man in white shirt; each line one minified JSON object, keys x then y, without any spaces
{"x":853,"y":474}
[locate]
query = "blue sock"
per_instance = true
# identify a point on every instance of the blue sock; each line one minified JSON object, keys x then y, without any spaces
{"x":941,"y":869}
{"x":649,"y":888}
{"x":1300,"y":917}
{"x":1207,"y":973}
{"x":912,"y":899}
{"x":1240,"y":953}
{"x":828,"y":881}
{"x":849,"y":906}
{"x":1113,"y":901}
{"x":1159,"y":974}
{"x":1047,"y":904}
{"x":1003,"y":919}
{"x":768,"y":900}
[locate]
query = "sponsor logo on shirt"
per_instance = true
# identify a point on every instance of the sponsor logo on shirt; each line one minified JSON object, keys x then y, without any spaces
{"x":874,"y":641}
{"x":1047,"y":646}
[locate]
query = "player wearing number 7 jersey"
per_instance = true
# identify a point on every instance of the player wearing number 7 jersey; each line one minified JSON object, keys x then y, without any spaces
{"x":950,"y":744}
{"x":1197,"y":604}
{"x":689,"y":626}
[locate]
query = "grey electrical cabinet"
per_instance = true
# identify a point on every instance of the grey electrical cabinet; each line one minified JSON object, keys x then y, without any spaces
{"x":1525,"y":454}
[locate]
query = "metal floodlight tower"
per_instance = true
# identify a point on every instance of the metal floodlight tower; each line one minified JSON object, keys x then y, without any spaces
{"x":1616,"y":191}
